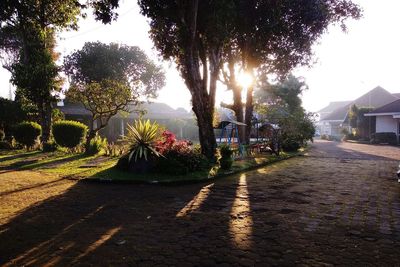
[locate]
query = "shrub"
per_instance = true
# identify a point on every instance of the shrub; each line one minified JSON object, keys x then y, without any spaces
{"x":2,"y":135}
{"x":96,"y":145}
{"x":179,"y":156}
{"x":49,"y":146}
{"x":69,"y":133}
{"x":290,"y":145}
{"x":5,"y":145}
{"x":114,"y":150}
{"x":324,"y":137}
{"x":226,"y":159}
{"x":179,"y":162}
{"x":141,"y":137}
{"x":27,"y":133}
{"x":351,"y":136}
{"x":386,"y":138}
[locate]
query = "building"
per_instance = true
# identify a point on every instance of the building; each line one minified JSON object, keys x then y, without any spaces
{"x":387,"y":118}
{"x":332,"y":123}
{"x":179,"y":121}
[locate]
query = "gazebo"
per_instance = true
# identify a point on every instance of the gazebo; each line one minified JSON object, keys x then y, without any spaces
{"x":267,"y":137}
{"x":229,"y":132}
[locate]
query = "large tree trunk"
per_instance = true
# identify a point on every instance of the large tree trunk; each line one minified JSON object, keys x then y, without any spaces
{"x":249,"y":114}
{"x":45,"y":112}
{"x":92,"y":133}
{"x":206,"y":132}
{"x":237,"y":107}
{"x":203,"y":100}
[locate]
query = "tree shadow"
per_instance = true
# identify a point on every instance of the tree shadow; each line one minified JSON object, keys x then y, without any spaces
{"x":278,"y":215}
{"x":20,"y":156}
{"x":5,"y":193}
{"x":73,"y":226}
{"x":31,"y":164}
{"x":332,"y":149}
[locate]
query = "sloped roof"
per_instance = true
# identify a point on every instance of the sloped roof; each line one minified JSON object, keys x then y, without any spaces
{"x":396,"y":95}
{"x":377,"y":97}
{"x":393,"y":107}
{"x":153,"y":111}
{"x":333,"y":106}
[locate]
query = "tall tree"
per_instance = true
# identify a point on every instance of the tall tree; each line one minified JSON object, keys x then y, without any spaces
{"x":27,"y":31}
{"x":281,"y":104}
{"x":194,"y":34}
{"x":105,"y":78}
{"x":274,"y":37}
{"x":363,"y":126}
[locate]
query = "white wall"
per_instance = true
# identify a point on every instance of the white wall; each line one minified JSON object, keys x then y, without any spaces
{"x":386,"y":124}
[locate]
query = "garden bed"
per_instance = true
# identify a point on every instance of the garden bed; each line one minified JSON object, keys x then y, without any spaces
{"x":102,"y":169}
{"x":114,"y":175}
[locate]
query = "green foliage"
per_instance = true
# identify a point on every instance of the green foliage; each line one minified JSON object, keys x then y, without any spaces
{"x":69,"y":133}
{"x":114,"y":150}
{"x":2,"y":135}
{"x":225,"y":151}
{"x":384,"y":138}
{"x":11,"y":114}
{"x":226,"y":159}
{"x":97,"y":61}
{"x":275,"y":36}
{"x":363,"y":125}
{"x":5,"y":145}
{"x":176,"y":162}
{"x":105,"y":78}
{"x":96,"y":145}
{"x":141,"y":137}
{"x":103,"y":99}
{"x":324,"y":137}
{"x":49,"y":146}
{"x":27,"y":133}
{"x":290,"y":145}
{"x":57,"y":115}
{"x":281,"y":104}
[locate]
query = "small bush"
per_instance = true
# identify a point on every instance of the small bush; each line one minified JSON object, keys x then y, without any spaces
{"x":141,"y":137}
{"x":27,"y":133}
{"x":324,"y":137}
{"x":114,"y":150}
{"x":69,"y":133}
{"x":123,"y":163}
{"x":179,"y":156}
{"x":384,"y":138}
{"x":226,"y":159}
{"x":96,"y":145}
{"x":290,"y":145}
{"x":5,"y":145}
{"x":2,"y":135}
{"x":50,"y":146}
{"x":171,"y":166}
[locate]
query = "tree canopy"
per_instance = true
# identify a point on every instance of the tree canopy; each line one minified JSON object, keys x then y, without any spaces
{"x":27,"y":41}
{"x":105,"y":78}
{"x":200,"y":36}
{"x":281,"y":104}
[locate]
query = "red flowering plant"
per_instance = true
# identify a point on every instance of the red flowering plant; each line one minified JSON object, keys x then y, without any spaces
{"x":179,"y":155}
{"x":169,"y":143}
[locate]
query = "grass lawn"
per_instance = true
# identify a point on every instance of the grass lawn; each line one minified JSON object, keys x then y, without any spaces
{"x":101,"y":168}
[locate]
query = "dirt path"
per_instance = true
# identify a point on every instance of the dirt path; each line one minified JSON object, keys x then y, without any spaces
{"x":338,"y":205}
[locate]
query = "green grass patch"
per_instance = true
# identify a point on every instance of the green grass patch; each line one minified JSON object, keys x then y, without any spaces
{"x":100,"y":168}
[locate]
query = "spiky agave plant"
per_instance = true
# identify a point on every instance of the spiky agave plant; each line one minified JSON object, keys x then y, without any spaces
{"x":141,"y":136}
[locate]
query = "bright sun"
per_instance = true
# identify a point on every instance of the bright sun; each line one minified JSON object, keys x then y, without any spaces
{"x":245,"y":79}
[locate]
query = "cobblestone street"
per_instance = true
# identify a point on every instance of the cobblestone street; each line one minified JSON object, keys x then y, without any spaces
{"x":339,"y":204}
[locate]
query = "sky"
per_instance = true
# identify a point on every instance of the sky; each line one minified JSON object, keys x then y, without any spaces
{"x":346,"y":66}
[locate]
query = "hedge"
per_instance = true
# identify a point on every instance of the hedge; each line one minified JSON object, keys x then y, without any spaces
{"x":386,"y":138}
{"x":69,"y":133}
{"x":27,"y":132}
